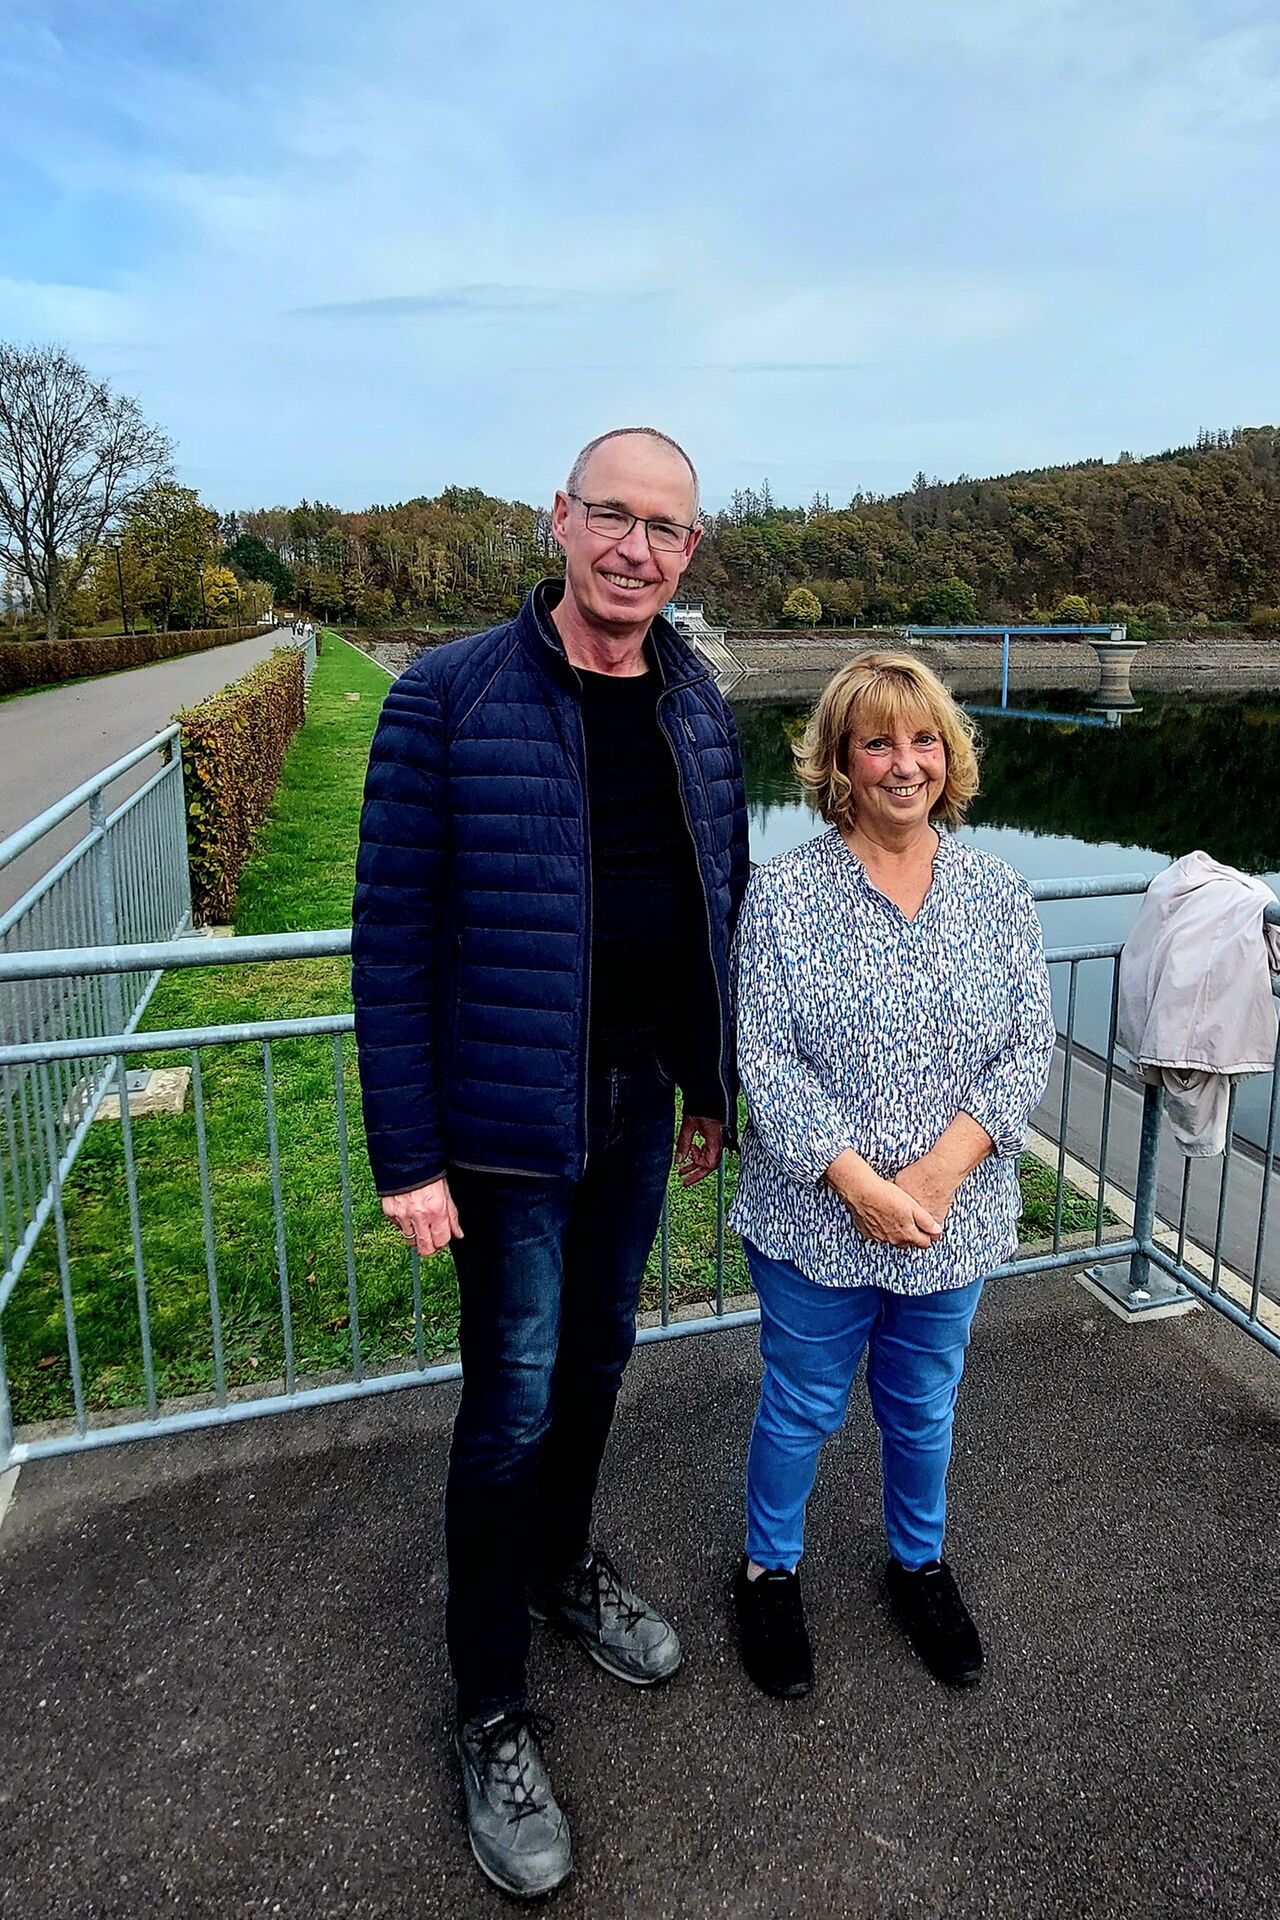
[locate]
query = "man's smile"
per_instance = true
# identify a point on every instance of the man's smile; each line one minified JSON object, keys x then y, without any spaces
{"x":628,"y":581}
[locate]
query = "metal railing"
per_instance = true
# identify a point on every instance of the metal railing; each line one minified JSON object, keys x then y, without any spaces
{"x":1119,"y":1205}
{"x":126,"y":880}
{"x":307,"y":647}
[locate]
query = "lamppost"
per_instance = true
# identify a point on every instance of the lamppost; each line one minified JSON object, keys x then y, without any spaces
{"x":124,"y":611}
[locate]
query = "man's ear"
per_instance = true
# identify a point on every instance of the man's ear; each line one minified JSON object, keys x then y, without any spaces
{"x":695,"y":540}
{"x":559,"y":515}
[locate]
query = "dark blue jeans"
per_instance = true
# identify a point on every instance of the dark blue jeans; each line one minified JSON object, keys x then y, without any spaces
{"x":549,"y":1278}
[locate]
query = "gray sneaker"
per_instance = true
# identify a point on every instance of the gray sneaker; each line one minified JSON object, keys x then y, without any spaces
{"x":623,"y":1633}
{"x":518,"y":1834}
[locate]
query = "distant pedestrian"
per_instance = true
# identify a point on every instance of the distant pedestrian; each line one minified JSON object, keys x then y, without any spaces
{"x":553,"y":849}
{"x":894,"y":1038}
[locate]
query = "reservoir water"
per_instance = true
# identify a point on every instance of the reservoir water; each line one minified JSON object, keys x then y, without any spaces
{"x":1065,"y":798}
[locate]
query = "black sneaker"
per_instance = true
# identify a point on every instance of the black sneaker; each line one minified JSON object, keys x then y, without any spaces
{"x":518,"y":1834}
{"x":773,"y":1637}
{"x":622,"y":1633}
{"x":936,"y":1621}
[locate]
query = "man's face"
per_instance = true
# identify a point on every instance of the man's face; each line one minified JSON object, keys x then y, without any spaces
{"x":622,"y":582}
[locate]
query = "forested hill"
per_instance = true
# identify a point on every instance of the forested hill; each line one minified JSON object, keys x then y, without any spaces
{"x":1192,"y":534}
{"x":1194,"y":531}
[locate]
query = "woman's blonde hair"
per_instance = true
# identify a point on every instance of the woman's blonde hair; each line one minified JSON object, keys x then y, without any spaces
{"x":875,"y":693}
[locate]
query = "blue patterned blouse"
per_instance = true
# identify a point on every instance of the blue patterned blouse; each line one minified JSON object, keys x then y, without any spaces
{"x":860,"y":1028}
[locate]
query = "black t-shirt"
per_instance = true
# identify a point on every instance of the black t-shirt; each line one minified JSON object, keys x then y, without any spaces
{"x":649,"y":941}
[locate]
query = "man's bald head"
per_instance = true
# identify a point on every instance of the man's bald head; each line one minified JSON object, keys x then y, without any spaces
{"x":578,"y":471}
{"x":624,"y":487}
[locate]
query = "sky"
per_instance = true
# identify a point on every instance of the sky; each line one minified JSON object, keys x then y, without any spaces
{"x":362,"y":252}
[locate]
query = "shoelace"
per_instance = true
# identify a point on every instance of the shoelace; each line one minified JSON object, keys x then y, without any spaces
{"x":611,"y":1592}
{"x":524,"y":1731}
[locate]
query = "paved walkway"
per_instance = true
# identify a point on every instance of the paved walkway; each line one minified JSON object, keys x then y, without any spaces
{"x":51,"y":742}
{"x":224,"y":1685}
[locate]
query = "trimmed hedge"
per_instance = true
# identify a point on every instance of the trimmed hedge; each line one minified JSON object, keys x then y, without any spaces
{"x":233,"y":747}
{"x":42,"y":663}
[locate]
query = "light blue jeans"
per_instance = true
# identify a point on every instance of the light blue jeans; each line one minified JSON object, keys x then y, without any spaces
{"x":811,"y":1340}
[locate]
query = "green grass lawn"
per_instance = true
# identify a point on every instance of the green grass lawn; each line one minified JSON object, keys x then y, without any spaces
{"x":300,"y":878}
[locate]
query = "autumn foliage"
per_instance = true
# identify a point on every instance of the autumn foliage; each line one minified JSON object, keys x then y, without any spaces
{"x":1191,"y":532}
{"x":233,"y":747}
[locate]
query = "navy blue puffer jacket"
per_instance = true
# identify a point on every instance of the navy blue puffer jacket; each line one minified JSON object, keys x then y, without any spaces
{"x":472,"y":931}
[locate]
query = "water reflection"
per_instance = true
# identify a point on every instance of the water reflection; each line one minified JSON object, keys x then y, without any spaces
{"x":1101,"y":717}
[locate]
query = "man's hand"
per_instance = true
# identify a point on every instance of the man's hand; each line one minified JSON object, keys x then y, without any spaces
{"x":881,"y":1209}
{"x":426,"y":1217}
{"x":699,"y":1148}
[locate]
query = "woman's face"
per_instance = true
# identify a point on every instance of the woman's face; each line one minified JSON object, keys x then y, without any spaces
{"x":897,"y":775}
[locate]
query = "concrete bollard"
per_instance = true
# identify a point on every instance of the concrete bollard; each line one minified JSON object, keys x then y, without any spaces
{"x":1115,"y":659}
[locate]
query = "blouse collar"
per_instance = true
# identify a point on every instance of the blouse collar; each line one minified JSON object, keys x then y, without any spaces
{"x":842,"y":851}
{"x":854,"y":871}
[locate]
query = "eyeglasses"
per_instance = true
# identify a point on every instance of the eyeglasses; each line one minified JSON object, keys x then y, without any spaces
{"x":611,"y":523}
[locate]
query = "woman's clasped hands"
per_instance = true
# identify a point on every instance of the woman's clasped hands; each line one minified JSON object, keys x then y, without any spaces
{"x":906,"y":1211}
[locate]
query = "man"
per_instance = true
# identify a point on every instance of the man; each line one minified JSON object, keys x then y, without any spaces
{"x":553,"y":850}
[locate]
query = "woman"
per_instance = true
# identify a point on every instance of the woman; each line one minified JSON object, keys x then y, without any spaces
{"x":894,"y":1037}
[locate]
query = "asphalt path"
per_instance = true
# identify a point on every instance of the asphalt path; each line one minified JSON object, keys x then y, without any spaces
{"x":225,"y":1690}
{"x":51,"y":742}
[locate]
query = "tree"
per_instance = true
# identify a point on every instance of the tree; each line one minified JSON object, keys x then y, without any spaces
{"x":253,"y":559}
{"x":952,"y":603}
{"x":1073,"y":610}
{"x":121,"y":584}
{"x":220,"y":592}
{"x":1153,"y":622}
{"x":841,"y":601}
{"x":74,"y":457}
{"x":172,"y":535}
{"x":802,"y":608}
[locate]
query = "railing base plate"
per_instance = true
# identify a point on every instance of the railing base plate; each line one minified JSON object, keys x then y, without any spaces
{"x":156,"y":1090}
{"x":1161,"y":1299}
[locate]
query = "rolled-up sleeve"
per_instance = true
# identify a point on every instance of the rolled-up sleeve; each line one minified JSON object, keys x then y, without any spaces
{"x":1009,"y":1086}
{"x":801,"y":1127}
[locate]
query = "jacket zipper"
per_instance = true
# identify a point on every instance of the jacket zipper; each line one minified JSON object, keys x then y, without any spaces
{"x":583,"y":1071}
{"x":581,"y":771}
{"x":706,"y":903}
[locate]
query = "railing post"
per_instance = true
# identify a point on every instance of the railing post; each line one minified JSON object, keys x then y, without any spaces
{"x":108,"y":916}
{"x":177,"y":824}
{"x":1144,"y":1292}
{"x":6,"y":1412}
{"x":1144,"y":1192}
